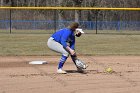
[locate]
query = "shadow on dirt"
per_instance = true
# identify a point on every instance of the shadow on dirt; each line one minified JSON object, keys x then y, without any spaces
{"x":75,"y":71}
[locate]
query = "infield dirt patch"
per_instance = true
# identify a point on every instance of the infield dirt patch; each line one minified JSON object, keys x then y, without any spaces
{"x":17,"y":76}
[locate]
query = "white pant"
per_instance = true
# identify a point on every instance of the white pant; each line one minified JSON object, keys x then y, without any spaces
{"x":57,"y":47}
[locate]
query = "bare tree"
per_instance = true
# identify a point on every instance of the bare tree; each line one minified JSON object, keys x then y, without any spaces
{"x":1,"y":3}
{"x":60,"y":12}
{"x":77,"y":3}
{"x":78,"y":14}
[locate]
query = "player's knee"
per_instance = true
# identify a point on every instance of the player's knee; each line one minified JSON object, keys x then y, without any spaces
{"x":66,"y":54}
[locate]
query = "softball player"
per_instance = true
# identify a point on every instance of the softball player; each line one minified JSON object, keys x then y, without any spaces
{"x":63,"y":41}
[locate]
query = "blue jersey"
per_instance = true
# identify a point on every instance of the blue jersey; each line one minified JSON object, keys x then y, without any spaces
{"x":65,"y":36}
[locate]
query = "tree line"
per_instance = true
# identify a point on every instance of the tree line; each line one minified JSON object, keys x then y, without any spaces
{"x":86,"y":15}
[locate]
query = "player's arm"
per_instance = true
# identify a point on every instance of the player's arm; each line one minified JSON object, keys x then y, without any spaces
{"x":72,"y":45}
{"x":64,"y":39}
{"x":71,"y":51}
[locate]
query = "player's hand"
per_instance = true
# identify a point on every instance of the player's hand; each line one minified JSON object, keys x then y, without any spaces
{"x":72,"y":52}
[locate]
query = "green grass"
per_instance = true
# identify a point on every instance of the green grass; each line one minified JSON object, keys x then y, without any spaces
{"x":88,"y":44}
{"x":109,"y":44}
{"x":14,"y":31}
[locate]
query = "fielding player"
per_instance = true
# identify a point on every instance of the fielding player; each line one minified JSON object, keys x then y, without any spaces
{"x":63,"y":41}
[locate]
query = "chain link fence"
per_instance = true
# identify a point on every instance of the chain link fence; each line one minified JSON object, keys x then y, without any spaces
{"x":47,"y":21}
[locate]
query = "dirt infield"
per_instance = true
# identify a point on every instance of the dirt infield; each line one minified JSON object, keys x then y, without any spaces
{"x":17,"y":76}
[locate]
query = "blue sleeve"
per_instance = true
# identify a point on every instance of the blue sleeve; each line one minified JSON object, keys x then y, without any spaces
{"x":72,"y":44}
{"x":64,"y":38}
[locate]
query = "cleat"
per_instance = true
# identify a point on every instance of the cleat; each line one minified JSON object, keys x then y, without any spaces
{"x":60,"y":71}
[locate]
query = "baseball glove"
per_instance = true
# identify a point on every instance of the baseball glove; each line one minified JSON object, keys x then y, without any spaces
{"x":80,"y":64}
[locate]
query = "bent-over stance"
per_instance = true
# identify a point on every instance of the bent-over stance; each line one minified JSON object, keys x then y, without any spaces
{"x":63,"y":41}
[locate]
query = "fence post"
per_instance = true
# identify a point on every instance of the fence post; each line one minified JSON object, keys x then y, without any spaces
{"x":96,"y":19}
{"x":118,"y":25}
{"x":10,"y":22}
{"x":55,"y":17}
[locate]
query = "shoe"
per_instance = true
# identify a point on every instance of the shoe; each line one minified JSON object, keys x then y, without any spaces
{"x":60,"y":71}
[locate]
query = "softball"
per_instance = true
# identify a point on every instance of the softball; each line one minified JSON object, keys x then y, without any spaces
{"x":109,"y":70}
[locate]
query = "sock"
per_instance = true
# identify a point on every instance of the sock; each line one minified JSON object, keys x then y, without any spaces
{"x":62,"y":61}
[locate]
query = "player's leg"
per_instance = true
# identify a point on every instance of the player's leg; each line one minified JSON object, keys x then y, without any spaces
{"x":55,"y":46}
{"x":61,"y":63}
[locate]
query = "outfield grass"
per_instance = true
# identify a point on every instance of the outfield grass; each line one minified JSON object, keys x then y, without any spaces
{"x":37,"y":31}
{"x":109,"y":44}
{"x":88,"y":44}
